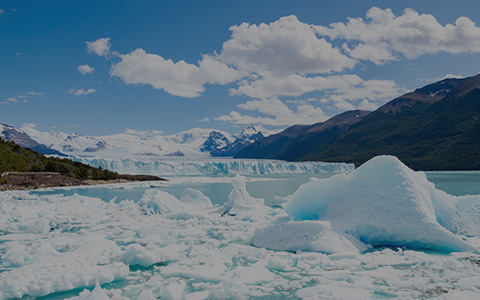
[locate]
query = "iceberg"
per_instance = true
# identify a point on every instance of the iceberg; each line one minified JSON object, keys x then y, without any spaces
{"x":211,"y":167}
{"x":155,"y":201}
{"x":240,"y":201}
{"x":382,"y":203}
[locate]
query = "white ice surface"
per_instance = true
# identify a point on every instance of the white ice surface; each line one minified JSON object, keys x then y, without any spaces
{"x":135,"y":254}
{"x":382,"y":203}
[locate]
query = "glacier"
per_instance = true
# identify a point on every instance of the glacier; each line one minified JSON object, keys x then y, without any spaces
{"x":211,"y":167}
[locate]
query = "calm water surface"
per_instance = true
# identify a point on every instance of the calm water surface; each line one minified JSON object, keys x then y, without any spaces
{"x":455,"y":183}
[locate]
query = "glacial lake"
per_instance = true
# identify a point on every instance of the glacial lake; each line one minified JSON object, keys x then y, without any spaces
{"x":217,"y":188}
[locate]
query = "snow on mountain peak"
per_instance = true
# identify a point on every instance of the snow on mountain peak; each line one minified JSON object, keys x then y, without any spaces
{"x":198,"y":142}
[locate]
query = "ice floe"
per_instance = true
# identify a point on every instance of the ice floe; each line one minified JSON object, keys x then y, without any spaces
{"x":87,"y":248}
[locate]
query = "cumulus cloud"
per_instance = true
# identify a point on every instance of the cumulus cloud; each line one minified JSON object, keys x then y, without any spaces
{"x":340,"y":93}
{"x":278,"y":113}
{"x":382,"y":35}
{"x":100,"y":47}
{"x":282,"y":47}
{"x":85,"y":69}
{"x":81,"y":92}
{"x":176,"y":78}
{"x":348,"y":87}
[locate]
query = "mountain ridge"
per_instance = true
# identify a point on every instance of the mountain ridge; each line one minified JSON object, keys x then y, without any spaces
{"x":195,"y":142}
{"x":290,"y":143}
{"x":436,"y":127}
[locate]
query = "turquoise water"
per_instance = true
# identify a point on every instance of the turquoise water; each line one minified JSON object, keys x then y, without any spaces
{"x":454,"y":183}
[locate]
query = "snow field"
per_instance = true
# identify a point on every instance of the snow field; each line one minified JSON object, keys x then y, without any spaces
{"x":169,"y":248}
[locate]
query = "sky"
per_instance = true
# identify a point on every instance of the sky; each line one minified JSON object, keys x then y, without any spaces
{"x":105,"y":67}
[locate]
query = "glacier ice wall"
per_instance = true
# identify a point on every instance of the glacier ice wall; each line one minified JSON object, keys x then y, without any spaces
{"x":212,"y":167}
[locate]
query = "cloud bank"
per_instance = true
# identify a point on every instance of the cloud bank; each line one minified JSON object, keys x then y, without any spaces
{"x":382,"y":36}
{"x":273,"y":63}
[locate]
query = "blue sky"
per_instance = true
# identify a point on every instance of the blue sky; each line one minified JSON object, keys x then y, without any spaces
{"x":100,"y":67}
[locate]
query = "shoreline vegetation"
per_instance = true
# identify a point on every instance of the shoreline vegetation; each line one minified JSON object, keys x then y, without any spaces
{"x":22,"y":168}
{"x":38,"y":180}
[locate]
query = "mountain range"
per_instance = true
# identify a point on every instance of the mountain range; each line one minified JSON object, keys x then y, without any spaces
{"x":436,"y":127}
{"x":196,"y":142}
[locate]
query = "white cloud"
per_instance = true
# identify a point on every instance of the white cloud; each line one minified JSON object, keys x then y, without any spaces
{"x":349,"y":87}
{"x":100,"y":47}
{"x":22,"y":97}
{"x":34,"y":93}
{"x":278,"y":114}
{"x":282,"y":47}
{"x":28,"y":125}
{"x":81,"y":92}
{"x":85,"y":69}
{"x":2,"y":12}
{"x":289,"y":58}
{"x":385,"y":35}
{"x":340,"y":93}
{"x":176,"y":78}
{"x":143,"y":132}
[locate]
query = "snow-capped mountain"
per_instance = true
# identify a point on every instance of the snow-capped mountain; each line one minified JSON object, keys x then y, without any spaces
{"x":19,"y":137}
{"x":218,"y":144}
{"x":196,"y":142}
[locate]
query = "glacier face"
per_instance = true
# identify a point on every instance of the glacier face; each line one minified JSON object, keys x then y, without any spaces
{"x":211,"y":167}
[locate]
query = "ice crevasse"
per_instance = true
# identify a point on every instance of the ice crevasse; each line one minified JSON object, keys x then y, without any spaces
{"x":382,"y":203}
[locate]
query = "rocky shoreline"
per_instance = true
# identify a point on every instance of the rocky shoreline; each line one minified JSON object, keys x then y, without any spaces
{"x":31,"y":181}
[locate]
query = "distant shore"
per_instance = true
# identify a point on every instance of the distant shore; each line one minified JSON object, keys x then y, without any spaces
{"x":29,"y":181}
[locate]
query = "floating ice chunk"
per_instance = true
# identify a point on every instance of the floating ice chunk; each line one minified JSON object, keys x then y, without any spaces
{"x":146,"y":295}
{"x":155,"y":201}
{"x":239,"y":200}
{"x":195,"y":200}
{"x":137,"y":255}
{"x":255,"y":274}
{"x":306,"y":236}
{"x":86,"y":265}
{"x":15,"y":256}
{"x":383,"y":202}
{"x":460,"y":215}
{"x":197,"y":295}
{"x":281,"y":201}
{"x":334,"y":291}
{"x":97,"y":294}
{"x":174,"y":290}
{"x":159,"y":202}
